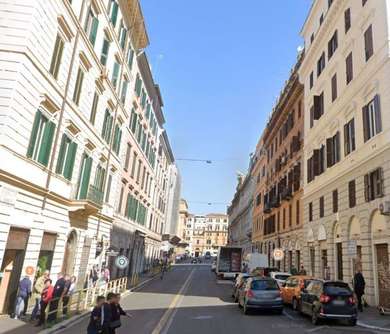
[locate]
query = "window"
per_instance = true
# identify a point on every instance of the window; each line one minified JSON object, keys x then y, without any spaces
{"x":139,"y":171}
{"x":66,"y":157}
{"x":330,"y":3}
{"x":107,"y":126}
{"x":332,"y":45}
{"x":95,"y":102}
{"x":117,"y":139}
{"x":311,"y":80}
{"x":113,"y":12}
{"x":105,"y":49}
{"x":99,"y":178}
{"x":349,"y":137}
{"x":130,"y":57}
{"x":321,"y":64}
{"x":372,"y":120}
{"x":312,"y":38}
{"x":322,"y":209}
{"x":122,"y":35}
{"x":321,"y":18}
{"x":311,"y":116}
{"x":310,"y":211}
{"x":258,"y":199}
{"x":373,"y":185}
{"x":85,"y":174}
{"x":297,"y":212}
{"x":368,"y":43}
{"x":91,"y":26}
{"x":334,"y":87}
{"x":132,"y":174}
{"x":41,"y":139}
{"x":284,"y":218}
{"x":133,"y":121}
{"x":335,"y":198}
{"x":333,"y":150}
{"x":290,"y":215}
{"x":56,"y":57}
{"x":352,"y":193}
{"x":318,"y":105}
{"x":115,"y":74}
{"x":127,"y":159}
{"x":364,"y":2}
{"x":349,"y":68}
{"x":78,"y":86}
{"x":347,"y":19}
{"x":124,"y":90}
{"x":119,"y":208}
{"x":109,"y":182}
{"x":138,"y":85}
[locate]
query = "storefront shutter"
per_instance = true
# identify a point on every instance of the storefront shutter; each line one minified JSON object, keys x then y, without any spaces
{"x":47,"y":141}
{"x":34,"y":132}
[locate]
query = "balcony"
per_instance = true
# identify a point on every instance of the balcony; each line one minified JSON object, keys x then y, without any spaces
{"x":275,"y":203}
{"x":267,"y":207}
{"x":286,"y":194}
{"x":95,"y":195}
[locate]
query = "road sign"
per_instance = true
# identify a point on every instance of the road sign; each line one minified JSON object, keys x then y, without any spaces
{"x":121,"y":262}
{"x":352,"y":248}
{"x":278,"y":254}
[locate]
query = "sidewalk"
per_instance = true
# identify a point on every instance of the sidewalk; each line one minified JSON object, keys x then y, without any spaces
{"x":12,"y":326}
{"x":371,"y":319}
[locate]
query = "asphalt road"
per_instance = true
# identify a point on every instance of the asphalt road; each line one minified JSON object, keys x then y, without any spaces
{"x":189,"y":300}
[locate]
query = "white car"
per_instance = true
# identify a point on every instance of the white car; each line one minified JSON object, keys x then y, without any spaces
{"x":280,"y":277}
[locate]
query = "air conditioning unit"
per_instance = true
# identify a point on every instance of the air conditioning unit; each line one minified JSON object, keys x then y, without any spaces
{"x":384,"y":208}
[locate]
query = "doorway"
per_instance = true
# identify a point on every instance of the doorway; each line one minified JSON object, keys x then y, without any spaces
{"x":382,"y":262}
{"x":11,"y":268}
{"x":70,"y":254}
{"x":324,"y":263}
{"x":312,"y":261}
{"x":339,"y":254}
{"x":84,"y":262}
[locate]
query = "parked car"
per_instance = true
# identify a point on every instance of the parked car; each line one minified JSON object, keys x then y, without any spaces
{"x":207,"y":256}
{"x":291,"y":290}
{"x":214,"y":266}
{"x":260,"y":293}
{"x":280,"y":277}
{"x":238,"y":283}
{"x":329,"y":300}
{"x":196,"y":260}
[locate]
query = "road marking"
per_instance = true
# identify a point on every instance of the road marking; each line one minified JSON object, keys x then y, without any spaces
{"x":288,"y":315}
{"x":225,"y":282}
{"x":203,"y":317}
{"x":167,"y":318}
{"x":316,"y":329}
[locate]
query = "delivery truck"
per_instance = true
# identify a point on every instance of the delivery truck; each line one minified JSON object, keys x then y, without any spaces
{"x":255,"y":260}
{"x":229,"y":261}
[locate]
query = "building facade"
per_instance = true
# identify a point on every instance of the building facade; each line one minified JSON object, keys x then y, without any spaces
{"x":347,"y":159}
{"x":240,"y":213}
{"x":82,"y":138}
{"x":277,"y":220}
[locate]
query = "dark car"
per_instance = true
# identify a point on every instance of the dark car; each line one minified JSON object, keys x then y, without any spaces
{"x":329,"y":300}
{"x":238,"y":283}
{"x":260,"y":293}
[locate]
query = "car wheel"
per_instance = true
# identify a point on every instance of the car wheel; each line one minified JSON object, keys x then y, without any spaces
{"x":352,"y":322}
{"x":295,"y":304}
{"x":314,"y":318}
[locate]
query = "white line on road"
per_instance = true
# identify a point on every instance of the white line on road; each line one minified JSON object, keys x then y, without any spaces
{"x":288,"y":315}
{"x":316,"y":329}
{"x":167,"y":318}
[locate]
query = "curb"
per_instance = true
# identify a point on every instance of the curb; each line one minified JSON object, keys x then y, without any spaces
{"x":377,"y":328}
{"x":80,"y":317}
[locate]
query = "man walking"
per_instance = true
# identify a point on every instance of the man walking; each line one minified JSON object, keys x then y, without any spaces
{"x":24,"y":293}
{"x":58,"y":292}
{"x":37,"y":292}
{"x":358,"y":285}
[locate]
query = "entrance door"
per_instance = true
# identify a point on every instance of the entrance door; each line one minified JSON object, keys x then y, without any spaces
{"x":312,"y":260}
{"x":11,"y":268}
{"x":84,"y":262}
{"x":70,"y":254}
{"x":339,"y":251}
{"x":382,"y":259}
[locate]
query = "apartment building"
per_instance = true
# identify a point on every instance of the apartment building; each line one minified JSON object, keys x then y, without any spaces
{"x":206,"y":233}
{"x":347,"y":159}
{"x":277,"y":219}
{"x":240,"y":212}
{"x":85,"y":155}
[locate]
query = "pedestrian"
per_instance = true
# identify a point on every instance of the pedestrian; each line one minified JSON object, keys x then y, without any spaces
{"x":96,"y":319}
{"x":46,"y":297}
{"x":94,"y":275}
{"x":70,"y":284}
{"x":106,"y":274}
{"x":358,"y":286}
{"x":58,"y":292}
{"x":116,"y":313}
{"x":24,"y":293}
{"x":302,"y":271}
{"x":37,"y":291}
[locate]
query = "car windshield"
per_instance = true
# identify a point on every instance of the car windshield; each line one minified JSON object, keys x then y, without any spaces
{"x":264,"y":285}
{"x":337,"y":288}
{"x":282,"y":277}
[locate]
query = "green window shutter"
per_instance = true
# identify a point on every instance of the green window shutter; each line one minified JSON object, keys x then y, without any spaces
{"x":138,"y":85}
{"x":85,"y":176}
{"x":116,"y":137}
{"x":105,"y":49}
{"x":130,"y":57}
{"x":109,"y":129}
{"x":69,"y":162}
{"x":114,"y":13}
{"x":94,"y":108}
{"x":34,"y":132}
{"x":47,"y":141}
{"x":134,"y":122}
{"x":115,"y":74}
{"x":56,"y":57}
{"x":77,"y":88}
{"x":148,"y":110}
{"x":93,"y":32}
{"x":123,"y":37}
{"x":124,"y":91}
{"x":119,"y":141}
{"x":61,"y":154}
{"x":104,"y":128}
{"x":128,"y":206}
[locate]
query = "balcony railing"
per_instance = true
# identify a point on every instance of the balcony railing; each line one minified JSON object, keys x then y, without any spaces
{"x":95,"y":195}
{"x":267,"y":207}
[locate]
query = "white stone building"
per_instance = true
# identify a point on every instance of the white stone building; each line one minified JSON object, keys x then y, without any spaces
{"x":346,"y":73}
{"x":72,"y":76}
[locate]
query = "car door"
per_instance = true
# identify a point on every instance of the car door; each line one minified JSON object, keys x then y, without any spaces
{"x":285,"y":291}
{"x":305,"y":299}
{"x":241,"y":293}
{"x":314,"y":296}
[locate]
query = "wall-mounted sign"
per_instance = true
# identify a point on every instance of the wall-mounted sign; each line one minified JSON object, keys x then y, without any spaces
{"x":278,"y":254}
{"x":122,"y":262}
{"x":30,"y":270}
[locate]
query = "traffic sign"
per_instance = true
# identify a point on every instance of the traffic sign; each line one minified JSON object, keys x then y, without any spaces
{"x":278,"y":254}
{"x":121,"y":262}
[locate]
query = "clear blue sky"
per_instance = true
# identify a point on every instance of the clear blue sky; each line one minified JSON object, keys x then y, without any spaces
{"x":220,"y":65}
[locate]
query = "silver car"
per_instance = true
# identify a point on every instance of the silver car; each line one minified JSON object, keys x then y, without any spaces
{"x":260,"y":293}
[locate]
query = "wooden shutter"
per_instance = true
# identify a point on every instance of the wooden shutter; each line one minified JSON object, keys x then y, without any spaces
{"x":349,"y":68}
{"x":70,"y":158}
{"x":105,"y":49}
{"x":329,"y":152}
{"x":335,"y":201}
{"x":317,"y":107}
{"x":316,"y":162}
{"x":366,"y":124}
{"x":380,"y":182}
{"x":61,"y":154}
{"x":114,"y":12}
{"x":367,"y":190}
{"x":368,"y":43}
{"x":104,"y":128}
{"x":47,"y":141}
{"x":347,"y":19}
{"x":34,"y":133}
{"x":85,"y":176}
{"x":352,"y":130}
{"x":94,"y":27}
{"x":334,"y":87}
{"x":346,"y":140}
{"x":378,"y":118}
{"x":337,"y":147}
{"x":352,"y":193}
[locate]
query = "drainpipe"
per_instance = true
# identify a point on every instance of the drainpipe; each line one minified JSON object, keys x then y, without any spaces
{"x":62,"y":110}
